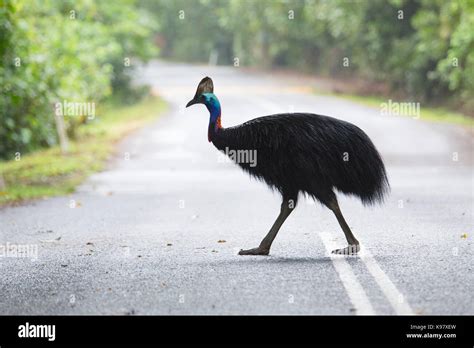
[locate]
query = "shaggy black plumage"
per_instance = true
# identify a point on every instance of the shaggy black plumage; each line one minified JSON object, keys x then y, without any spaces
{"x":301,"y":153}
{"x":309,"y":153}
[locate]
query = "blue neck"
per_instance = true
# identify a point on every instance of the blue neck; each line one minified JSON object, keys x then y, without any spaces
{"x":214,"y":107}
{"x":214,"y":114}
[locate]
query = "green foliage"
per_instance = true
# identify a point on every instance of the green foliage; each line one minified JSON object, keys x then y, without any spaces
{"x":54,"y":51}
{"x":414,"y":45}
{"x":46,"y":172}
{"x":456,"y":69}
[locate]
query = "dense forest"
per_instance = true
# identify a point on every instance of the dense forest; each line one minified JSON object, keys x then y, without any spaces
{"x":64,"y":50}
{"x":423,"y":47}
{"x":80,"y":50}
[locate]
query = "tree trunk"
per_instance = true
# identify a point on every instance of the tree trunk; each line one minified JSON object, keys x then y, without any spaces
{"x":3,"y":186}
{"x":61,"y":129}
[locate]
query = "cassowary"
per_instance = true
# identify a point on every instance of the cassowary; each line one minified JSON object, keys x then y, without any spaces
{"x":301,"y":152}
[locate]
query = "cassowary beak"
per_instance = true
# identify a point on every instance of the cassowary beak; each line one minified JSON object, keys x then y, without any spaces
{"x":192,"y":102}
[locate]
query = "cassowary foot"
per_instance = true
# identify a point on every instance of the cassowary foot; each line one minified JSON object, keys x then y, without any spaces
{"x":255,"y":251}
{"x":349,"y":250}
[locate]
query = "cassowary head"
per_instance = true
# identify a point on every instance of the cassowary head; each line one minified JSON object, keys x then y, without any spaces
{"x":204,"y":95}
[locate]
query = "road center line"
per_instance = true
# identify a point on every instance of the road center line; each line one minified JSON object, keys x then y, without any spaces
{"x":354,"y":289}
{"x":394,"y":296}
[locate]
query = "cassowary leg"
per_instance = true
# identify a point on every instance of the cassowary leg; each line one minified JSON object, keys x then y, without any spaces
{"x":354,"y":246}
{"x":264,"y":248}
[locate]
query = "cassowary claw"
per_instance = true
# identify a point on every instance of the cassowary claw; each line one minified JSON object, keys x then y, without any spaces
{"x":254,"y":251}
{"x":349,"y":250}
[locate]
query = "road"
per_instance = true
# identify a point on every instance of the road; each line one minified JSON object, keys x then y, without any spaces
{"x":158,"y":232}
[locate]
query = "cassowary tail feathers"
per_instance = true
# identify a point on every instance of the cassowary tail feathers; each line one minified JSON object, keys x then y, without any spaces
{"x":361,"y":172}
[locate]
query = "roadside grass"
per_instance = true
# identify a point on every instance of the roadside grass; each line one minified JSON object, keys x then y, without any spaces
{"x":435,"y":114}
{"x":47,"y":172}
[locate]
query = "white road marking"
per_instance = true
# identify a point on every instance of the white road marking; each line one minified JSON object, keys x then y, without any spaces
{"x":394,"y":296}
{"x":354,"y":289}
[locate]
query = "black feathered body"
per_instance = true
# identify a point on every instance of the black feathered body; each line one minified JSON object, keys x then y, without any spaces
{"x":308,"y":153}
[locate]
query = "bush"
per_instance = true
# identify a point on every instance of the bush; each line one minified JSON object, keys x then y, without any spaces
{"x":55,"y":51}
{"x":410,"y":44}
